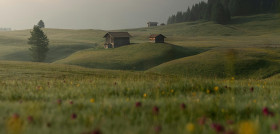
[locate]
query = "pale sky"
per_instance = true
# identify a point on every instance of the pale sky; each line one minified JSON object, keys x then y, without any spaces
{"x":88,"y":14}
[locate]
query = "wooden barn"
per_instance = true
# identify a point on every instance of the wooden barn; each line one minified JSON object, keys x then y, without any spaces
{"x":116,"y":39}
{"x":157,"y":38}
{"x":152,"y":24}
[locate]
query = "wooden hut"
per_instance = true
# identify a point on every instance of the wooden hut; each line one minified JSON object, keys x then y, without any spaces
{"x":152,"y":24}
{"x":116,"y":39}
{"x":157,"y":38}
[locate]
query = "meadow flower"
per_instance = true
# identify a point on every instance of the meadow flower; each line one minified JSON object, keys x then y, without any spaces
{"x":190,"y":127}
{"x":92,"y":100}
{"x":218,"y":128}
{"x":144,"y":95}
{"x":274,"y":127}
{"x":202,"y":120}
{"x":216,"y":88}
{"x":155,"y":110}
{"x":96,"y":131}
{"x":247,"y":127}
{"x":172,"y":91}
{"x":71,"y":102}
{"x":30,"y":119}
{"x":252,"y":89}
{"x":59,"y":101}
{"x":158,"y":129}
{"x":208,"y":91}
{"x":74,"y":116}
{"x":267,"y":112}
{"x":183,"y":106}
{"x":15,"y":124}
{"x":138,"y":104}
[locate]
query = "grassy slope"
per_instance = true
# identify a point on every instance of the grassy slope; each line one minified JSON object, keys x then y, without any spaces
{"x":133,"y":57}
{"x":250,"y":32}
{"x":62,"y":43}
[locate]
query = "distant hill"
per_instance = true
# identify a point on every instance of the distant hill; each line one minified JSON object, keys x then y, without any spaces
{"x":131,"y":57}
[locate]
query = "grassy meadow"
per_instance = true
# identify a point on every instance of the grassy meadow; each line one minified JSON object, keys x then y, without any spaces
{"x":206,"y":79}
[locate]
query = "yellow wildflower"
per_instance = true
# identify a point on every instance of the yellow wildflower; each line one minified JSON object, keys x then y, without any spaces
{"x":247,"y":127}
{"x":14,"y":125}
{"x":255,"y":101}
{"x":208,"y":91}
{"x":162,"y":92}
{"x":216,"y":88}
{"x":145,"y":95}
{"x":78,"y":85}
{"x":232,"y":78}
{"x":190,"y":127}
{"x":172,"y":91}
{"x":92,"y":100}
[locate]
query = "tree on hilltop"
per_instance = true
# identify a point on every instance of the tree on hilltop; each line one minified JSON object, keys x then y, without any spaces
{"x":39,"y":44}
{"x":41,"y":24}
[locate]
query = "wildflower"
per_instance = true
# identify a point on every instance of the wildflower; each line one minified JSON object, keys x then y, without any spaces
{"x":138,"y":104}
{"x":247,"y":127}
{"x":145,"y":95}
{"x":59,"y":101}
{"x":216,"y":88}
{"x":158,"y":129}
{"x":78,"y":85}
{"x":183,"y":106}
{"x":172,"y":91}
{"x":15,"y":124}
{"x":74,"y":116}
{"x":267,"y":112}
{"x":202,"y":120}
{"x":232,"y":78}
{"x":162,"y":92}
{"x":208,"y":91}
{"x":252,"y":89}
{"x":255,"y":101}
{"x":190,"y":127}
{"x":230,"y":122}
{"x":71,"y":102}
{"x":96,"y":131}
{"x":274,"y":127}
{"x":92,"y":100}
{"x":155,"y":110}
{"x":218,"y":128}
{"x":30,"y":119}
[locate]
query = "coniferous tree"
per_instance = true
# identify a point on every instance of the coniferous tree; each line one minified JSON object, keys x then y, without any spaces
{"x":39,"y":44}
{"x":41,"y":24}
{"x":220,"y":14}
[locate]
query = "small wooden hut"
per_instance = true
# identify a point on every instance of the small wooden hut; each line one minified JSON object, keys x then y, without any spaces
{"x":152,"y":24}
{"x":116,"y":39}
{"x":157,"y":38}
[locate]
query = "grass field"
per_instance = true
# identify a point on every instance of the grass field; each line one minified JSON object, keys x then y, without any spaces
{"x":207,"y":79}
{"x":47,"y":98}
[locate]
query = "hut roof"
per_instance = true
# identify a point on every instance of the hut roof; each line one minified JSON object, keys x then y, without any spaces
{"x":118,"y":34}
{"x":156,"y":35}
{"x":152,"y":23}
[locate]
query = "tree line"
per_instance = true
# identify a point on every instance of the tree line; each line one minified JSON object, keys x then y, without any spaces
{"x":221,"y":11}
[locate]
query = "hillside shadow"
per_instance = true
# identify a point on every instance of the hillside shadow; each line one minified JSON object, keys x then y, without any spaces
{"x":243,"y":19}
{"x":55,"y":53}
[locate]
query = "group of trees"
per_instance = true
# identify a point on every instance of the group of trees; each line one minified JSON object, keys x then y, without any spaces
{"x":221,"y":11}
{"x":39,"y":43}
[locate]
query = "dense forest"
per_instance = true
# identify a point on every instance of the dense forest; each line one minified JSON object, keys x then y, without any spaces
{"x":221,"y":11}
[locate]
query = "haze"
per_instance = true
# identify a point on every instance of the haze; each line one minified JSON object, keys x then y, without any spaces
{"x":88,"y":14}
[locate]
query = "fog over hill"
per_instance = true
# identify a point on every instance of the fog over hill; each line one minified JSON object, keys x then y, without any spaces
{"x":88,"y":14}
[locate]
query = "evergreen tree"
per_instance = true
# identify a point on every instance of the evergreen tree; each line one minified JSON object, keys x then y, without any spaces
{"x":220,"y":14}
{"x":41,"y":24}
{"x":39,"y":44}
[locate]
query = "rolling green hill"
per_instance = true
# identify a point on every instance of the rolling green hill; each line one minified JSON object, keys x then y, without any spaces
{"x":132,"y":57}
{"x":254,"y":35}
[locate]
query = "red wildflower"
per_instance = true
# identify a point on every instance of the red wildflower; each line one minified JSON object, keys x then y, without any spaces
{"x":218,"y":128}
{"x":267,"y":112}
{"x":138,"y":104}
{"x":155,"y":110}
{"x":71,"y":102}
{"x":202,"y":120}
{"x":96,"y":131}
{"x":74,"y":116}
{"x":158,"y":129}
{"x":59,"y":101}
{"x":183,"y":106}
{"x":274,"y":127}
{"x":30,"y":119}
{"x":252,"y":89}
